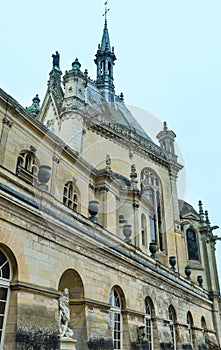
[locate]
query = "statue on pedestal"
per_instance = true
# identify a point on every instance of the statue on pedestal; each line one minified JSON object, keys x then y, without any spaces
{"x":64,"y":315}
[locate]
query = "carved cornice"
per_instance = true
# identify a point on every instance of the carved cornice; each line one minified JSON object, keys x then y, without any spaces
{"x":101,"y":188}
{"x":128,"y":137}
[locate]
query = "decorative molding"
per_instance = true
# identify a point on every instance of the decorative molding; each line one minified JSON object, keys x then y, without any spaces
{"x":32,"y":288}
{"x":101,"y":188}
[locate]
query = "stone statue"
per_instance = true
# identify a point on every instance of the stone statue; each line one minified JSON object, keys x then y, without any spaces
{"x":108,"y":162}
{"x":56,"y":60}
{"x":64,"y":315}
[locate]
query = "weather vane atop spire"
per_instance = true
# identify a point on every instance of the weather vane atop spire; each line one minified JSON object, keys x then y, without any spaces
{"x":106,"y":10}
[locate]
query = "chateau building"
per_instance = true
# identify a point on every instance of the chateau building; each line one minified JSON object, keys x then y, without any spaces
{"x":89,"y":207}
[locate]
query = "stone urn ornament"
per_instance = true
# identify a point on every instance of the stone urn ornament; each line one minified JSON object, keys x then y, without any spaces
{"x":93,"y":210}
{"x":44,"y":175}
{"x":188,"y":272}
{"x":200,"y":280}
{"x":153,"y":249}
{"x":172,"y":262}
{"x":127,"y":231}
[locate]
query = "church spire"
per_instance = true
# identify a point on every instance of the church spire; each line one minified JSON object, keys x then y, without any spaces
{"x":105,"y":42}
{"x":104,"y":60}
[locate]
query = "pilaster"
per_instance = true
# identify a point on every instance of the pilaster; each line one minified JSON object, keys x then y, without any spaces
{"x":7,"y":124}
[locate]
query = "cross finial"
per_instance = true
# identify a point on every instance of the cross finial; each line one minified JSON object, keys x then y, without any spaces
{"x":106,"y":10}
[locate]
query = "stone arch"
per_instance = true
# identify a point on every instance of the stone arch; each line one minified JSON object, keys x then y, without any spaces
{"x":72,"y":280}
{"x":12,"y":260}
{"x":191,"y":332}
{"x":8,"y":296}
{"x":118,"y":319}
{"x":173,"y":325}
{"x":204,"y":330}
{"x":150,"y":323}
{"x":149,"y":301}
{"x":121,"y":294}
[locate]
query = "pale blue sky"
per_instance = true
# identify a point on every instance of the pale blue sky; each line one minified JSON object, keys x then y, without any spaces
{"x":168,"y":63}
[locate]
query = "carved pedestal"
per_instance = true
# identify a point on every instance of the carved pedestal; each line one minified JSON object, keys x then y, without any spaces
{"x":67,"y":343}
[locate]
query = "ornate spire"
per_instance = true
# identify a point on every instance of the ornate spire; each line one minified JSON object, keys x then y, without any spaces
{"x":201,"y":213}
{"x":207,"y":218}
{"x":104,"y":60}
{"x":105,"y":42}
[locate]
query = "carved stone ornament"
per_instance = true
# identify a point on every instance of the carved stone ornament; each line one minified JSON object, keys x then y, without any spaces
{"x":7,"y":122}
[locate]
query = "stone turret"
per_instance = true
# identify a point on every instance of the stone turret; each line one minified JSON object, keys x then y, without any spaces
{"x":71,"y":117}
{"x":166,"y":138}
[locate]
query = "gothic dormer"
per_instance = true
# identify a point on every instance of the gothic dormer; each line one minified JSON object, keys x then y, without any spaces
{"x":105,"y":58}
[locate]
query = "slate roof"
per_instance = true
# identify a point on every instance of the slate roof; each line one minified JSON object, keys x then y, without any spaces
{"x":186,"y":208}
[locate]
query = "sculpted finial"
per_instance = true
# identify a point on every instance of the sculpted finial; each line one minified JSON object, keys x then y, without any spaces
{"x":165,"y":126}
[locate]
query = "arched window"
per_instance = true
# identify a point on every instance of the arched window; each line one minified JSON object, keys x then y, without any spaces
{"x":143,"y":230}
{"x":190,"y":328}
{"x":151,"y":188}
{"x":116,"y":319}
{"x":102,"y":67}
{"x":109,"y":68}
{"x":5,"y":277}
{"x":149,"y":322}
{"x":70,"y":197}
{"x":204,"y":329}
{"x":27,"y":166}
{"x":192,"y":245}
{"x":172,"y":320}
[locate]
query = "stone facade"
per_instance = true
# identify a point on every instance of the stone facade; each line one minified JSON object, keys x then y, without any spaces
{"x":123,"y":293}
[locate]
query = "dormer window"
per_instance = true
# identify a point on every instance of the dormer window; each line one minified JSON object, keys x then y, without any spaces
{"x":70,"y":196}
{"x":27,"y":166}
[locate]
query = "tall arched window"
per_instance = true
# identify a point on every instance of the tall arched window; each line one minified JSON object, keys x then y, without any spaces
{"x":190,"y":328}
{"x":27,"y":166}
{"x":70,"y":196}
{"x":116,"y":319}
{"x":172,"y":320}
{"x":151,"y":188}
{"x":143,"y":230}
{"x":5,"y":277}
{"x":149,"y":322}
{"x":204,"y":329}
{"x":192,"y":245}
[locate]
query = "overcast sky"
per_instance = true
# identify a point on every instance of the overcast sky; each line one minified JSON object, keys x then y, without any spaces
{"x":168,"y":64}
